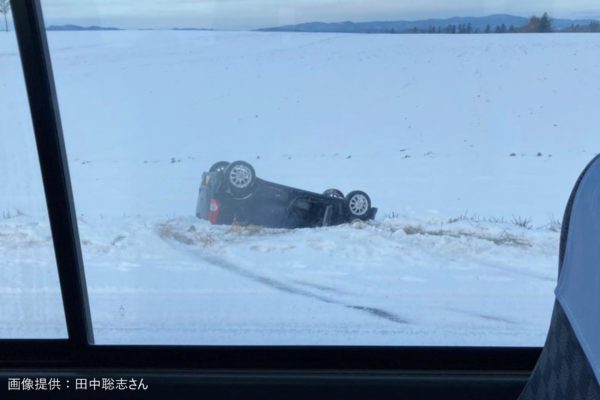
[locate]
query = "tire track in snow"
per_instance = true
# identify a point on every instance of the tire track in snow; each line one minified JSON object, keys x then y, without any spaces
{"x":282,"y":286}
{"x":322,"y":288}
{"x":290,"y":289}
{"x":487,"y":317}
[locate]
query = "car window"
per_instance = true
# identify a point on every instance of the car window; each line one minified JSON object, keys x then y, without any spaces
{"x":302,"y":173}
{"x":30,"y":299}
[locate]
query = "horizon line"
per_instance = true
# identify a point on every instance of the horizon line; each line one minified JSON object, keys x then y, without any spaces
{"x":115,"y":27}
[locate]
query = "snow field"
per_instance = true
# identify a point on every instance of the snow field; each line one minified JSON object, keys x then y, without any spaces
{"x":468,"y":145}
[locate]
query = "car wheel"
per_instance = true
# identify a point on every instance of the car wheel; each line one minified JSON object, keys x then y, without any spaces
{"x":336,"y":194}
{"x":240,"y":178}
{"x":219,"y":166}
{"x":358,"y":204}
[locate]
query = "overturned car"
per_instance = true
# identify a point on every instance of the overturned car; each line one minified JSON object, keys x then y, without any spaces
{"x":230,"y":193}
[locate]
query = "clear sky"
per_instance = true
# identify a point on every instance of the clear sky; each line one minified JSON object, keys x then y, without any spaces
{"x":251,"y":14}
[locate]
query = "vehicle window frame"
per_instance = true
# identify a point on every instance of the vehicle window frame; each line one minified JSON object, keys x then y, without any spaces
{"x":79,"y":348}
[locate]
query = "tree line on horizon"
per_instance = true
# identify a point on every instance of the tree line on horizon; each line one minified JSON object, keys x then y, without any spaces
{"x":535,"y":24}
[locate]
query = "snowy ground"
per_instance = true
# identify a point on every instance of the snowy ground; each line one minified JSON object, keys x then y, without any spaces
{"x":469,"y":146}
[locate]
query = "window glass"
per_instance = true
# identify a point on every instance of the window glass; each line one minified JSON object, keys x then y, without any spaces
{"x":466,"y":135}
{"x":30,"y":298}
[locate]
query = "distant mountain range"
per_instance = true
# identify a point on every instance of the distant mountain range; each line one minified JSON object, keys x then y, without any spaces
{"x":479,"y":23}
{"x":70,"y":27}
{"x":476,"y":24}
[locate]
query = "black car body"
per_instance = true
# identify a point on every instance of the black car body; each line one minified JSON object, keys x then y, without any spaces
{"x":232,"y":194}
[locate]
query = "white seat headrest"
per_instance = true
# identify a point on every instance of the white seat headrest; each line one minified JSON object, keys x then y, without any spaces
{"x":578,"y":289}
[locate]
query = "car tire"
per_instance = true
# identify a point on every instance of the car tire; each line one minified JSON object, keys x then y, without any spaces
{"x":219,"y":166}
{"x":358,"y":205}
{"x":334,"y":193}
{"x":240,"y":178}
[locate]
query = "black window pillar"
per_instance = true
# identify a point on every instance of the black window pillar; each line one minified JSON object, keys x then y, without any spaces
{"x":39,"y":80}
